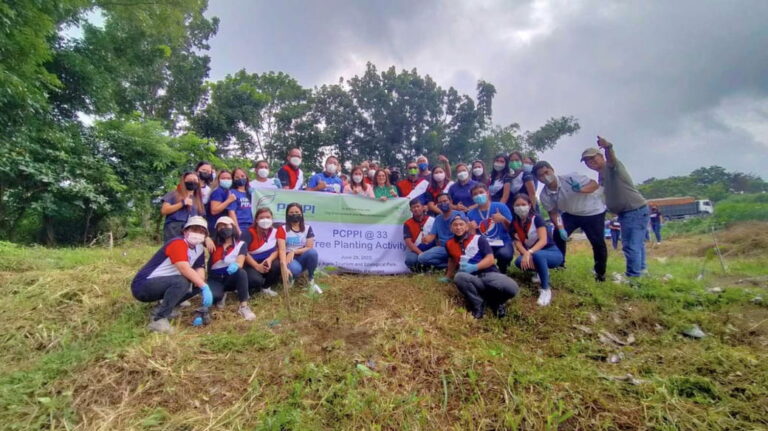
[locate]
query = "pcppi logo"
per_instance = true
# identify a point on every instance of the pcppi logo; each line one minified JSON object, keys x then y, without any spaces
{"x":267,"y":200}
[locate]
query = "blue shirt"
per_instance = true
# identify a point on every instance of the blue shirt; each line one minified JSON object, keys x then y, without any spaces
{"x":462,"y":193}
{"x":442,"y":228}
{"x":491,"y":230}
{"x":242,"y":208}
{"x":181,"y":215}
{"x":218,"y":195}
{"x":330,"y":182}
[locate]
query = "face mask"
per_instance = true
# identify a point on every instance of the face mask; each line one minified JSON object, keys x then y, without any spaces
{"x":413,"y":171}
{"x":462,"y":176}
{"x":371,"y":173}
{"x":439,"y":177}
{"x":265,"y":223}
{"x":357,"y":178}
{"x":194,"y":238}
{"x":293,"y":218}
{"x":423,"y":166}
{"x":527,"y":168}
{"x":460,"y":238}
{"x":522,"y":210}
{"x":549,"y":179}
{"x":240,"y":182}
{"x":498,"y":166}
{"x":330,"y":168}
{"x":224,"y":233}
{"x":225,"y":184}
{"x":190,"y":185}
{"x":477,"y":171}
{"x":480,"y":199}
{"x":262,"y":172}
{"x":515,"y":165}
{"x":207,"y":177}
{"x":295,"y":161}
{"x":444,"y":207}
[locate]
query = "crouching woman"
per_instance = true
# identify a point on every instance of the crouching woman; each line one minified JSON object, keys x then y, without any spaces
{"x":225,"y":267}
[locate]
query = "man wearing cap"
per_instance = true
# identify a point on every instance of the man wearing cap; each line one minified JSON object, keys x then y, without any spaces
{"x":574,"y":201}
{"x":622,"y":198}
{"x":174,"y":274}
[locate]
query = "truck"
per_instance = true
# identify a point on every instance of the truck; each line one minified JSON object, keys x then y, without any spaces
{"x":682,"y":207}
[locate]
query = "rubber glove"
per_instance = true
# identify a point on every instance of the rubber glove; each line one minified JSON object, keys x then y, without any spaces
{"x":563,"y":234}
{"x":232,"y":268}
{"x":207,"y":296}
{"x":444,"y":280}
{"x":576,"y":187}
{"x":468,"y":267}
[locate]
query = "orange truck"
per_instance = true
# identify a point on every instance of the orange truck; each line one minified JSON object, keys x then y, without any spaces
{"x":682,"y":207}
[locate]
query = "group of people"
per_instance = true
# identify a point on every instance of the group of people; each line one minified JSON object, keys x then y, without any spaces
{"x":465,"y":220}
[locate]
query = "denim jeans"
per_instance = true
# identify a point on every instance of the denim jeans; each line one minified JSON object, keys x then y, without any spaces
{"x":546,"y":258}
{"x":435,"y":256}
{"x":657,"y":231}
{"x":305,"y":261}
{"x":615,"y":238}
{"x":634,"y":227}
{"x":411,"y":260}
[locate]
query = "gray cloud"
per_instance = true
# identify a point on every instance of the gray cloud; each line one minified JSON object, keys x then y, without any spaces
{"x":676,"y":85}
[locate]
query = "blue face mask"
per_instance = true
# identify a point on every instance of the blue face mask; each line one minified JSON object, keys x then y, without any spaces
{"x":444,"y":207}
{"x":423,"y":166}
{"x":225,"y":184}
{"x":480,"y":199}
{"x":527,"y":168}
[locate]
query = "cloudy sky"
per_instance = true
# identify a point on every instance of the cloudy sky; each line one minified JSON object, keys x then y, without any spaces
{"x":674,"y":84}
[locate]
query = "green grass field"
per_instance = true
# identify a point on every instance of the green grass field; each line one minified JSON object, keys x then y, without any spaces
{"x":388,"y":353}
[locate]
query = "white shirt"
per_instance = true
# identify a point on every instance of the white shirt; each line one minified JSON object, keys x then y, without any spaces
{"x":205,"y":191}
{"x":270,"y":183}
{"x":565,"y":200}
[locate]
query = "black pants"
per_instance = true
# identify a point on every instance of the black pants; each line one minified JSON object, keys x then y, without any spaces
{"x":258,"y":281}
{"x":488,"y":288}
{"x":220,"y":283}
{"x":172,"y":290}
{"x":594,"y":228}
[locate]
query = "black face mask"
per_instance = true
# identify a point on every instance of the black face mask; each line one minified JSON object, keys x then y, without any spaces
{"x":293,"y":218}
{"x":205,"y":176}
{"x":240,"y":182}
{"x":190,"y":185}
{"x":224,"y":234}
{"x":460,"y":238}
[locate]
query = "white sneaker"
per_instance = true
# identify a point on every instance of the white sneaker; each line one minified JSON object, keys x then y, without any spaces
{"x":269,"y":292}
{"x":223,"y":302}
{"x":246,"y":312}
{"x":545,"y":296}
{"x":314,"y":288}
{"x":184,"y":304}
{"x":535,"y":279}
{"x":160,"y":325}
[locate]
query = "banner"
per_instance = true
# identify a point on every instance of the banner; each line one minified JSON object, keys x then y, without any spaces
{"x":352,"y":233}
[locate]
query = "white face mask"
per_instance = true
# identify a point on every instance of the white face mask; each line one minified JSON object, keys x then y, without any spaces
{"x":194,"y":238}
{"x":462,"y":176}
{"x":263,"y":172}
{"x":295,"y":161}
{"x":477,"y":171}
{"x":357,"y":178}
{"x":499,"y":166}
{"x":265,"y":223}
{"x":331,"y":168}
{"x":371,"y":173}
{"x":549,"y":179}
{"x":522,"y":210}
{"x":439,"y":177}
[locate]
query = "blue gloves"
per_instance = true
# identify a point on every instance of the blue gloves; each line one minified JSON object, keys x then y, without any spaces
{"x":232,"y":268}
{"x":563,"y":234}
{"x":468,"y":267}
{"x":444,"y":280}
{"x":207,"y":296}
{"x":575,"y":186}
{"x":198,"y":321}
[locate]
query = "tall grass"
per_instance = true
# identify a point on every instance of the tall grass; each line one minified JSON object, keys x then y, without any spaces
{"x":734,"y":209}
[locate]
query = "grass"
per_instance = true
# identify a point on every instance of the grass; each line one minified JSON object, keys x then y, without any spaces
{"x":388,"y":353}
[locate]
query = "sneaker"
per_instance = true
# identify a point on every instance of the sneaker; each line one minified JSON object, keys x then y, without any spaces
{"x":500,"y":311}
{"x":535,"y":279}
{"x":269,"y":292}
{"x":175,"y":313}
{"x":314,"y":288}
{"x":246,"y":312}
{"x":545,"y":296}
{"x":160,"y":325}
{"x":223,"y":303}
{"x":600,"y":277}
{"x":185,"y":304}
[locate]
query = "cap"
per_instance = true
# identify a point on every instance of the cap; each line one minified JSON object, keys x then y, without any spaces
{"x":196,"y":221}
{"x":590,"y":152}
{"x":224,"y":219}
{"x":459,"y":216}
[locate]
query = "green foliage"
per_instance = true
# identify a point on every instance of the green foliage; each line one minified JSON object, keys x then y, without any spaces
{"x":714,"y":183}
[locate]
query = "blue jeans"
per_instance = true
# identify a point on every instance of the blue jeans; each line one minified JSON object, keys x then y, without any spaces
{"x":546,"y":258}
{"x":615,"y":238}
{"x":634,"y":228}
{"x":411,"y":260}
{"x":435,"y":256}
{"x":657,"y":231}
{"x":305,"y":261}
